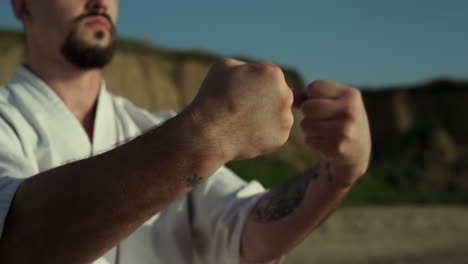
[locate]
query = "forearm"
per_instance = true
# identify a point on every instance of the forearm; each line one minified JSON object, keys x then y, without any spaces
{"x":77,"y":212}
{"x":288,"y":213}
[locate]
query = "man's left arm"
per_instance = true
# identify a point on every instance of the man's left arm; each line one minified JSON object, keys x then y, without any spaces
{"x":335,"y":124}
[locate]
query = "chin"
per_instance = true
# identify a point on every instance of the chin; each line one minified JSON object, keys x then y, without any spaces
{"x":89,"y":49}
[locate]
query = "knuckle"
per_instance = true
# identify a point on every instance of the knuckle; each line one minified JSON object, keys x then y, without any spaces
{"x":318,"y":84}
{"x":266,"y":63}
{"x":290,"y":97}
{"x":280,"y":140}
{"x":353,"y":95}
{"x":339,"y":148}
{"x":287,"y":98}
{"x":271,"y":71}
{"x":223,"y":62}
{"x":346,"y":132}
{"x":283,"y":140}
{"x":341,"y":138}
{"x":268,"y":149}
{"x":287,"y":122}
{"x":353,"y":92}
{"x":248,"y":155}
{"x":290,"y":120}
{"x":321,"y":83}
{"x":350,"y":112}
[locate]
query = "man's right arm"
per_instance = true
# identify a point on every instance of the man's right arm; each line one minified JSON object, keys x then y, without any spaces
{"x":77,"y":212}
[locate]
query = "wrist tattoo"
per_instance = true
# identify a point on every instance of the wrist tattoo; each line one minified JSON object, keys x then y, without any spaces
{"x":193,"y":180}
{"x":330,"y":178}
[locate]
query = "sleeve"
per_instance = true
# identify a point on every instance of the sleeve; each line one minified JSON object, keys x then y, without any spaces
{"x":14,"y":168}
{"x":220,"y":208}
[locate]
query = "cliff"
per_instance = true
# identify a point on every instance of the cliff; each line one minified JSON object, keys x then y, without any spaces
{"x":418,"y":130}
{"x":419,"y":138}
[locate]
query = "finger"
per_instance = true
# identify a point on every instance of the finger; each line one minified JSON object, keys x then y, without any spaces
{"x":299,"y":98}
{"x":336,"y":129}
{"x":321,"y":108}
{"x":327,"y":89}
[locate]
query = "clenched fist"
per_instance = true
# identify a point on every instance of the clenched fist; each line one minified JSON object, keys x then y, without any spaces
{"x":245,"y":108}
{"x":335,"y":124}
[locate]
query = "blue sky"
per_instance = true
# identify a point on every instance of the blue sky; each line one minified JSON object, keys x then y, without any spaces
{"x":358,"y":42}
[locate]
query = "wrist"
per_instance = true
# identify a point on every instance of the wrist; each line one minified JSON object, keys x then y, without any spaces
{"x":340,"y":174}
{"x":195,"y":136}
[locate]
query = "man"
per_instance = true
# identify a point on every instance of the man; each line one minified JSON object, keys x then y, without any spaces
{"x":165,"y":193}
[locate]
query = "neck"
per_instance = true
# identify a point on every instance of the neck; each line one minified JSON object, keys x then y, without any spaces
{"x":78,"y":89}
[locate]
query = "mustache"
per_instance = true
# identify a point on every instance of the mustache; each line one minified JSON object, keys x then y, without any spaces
{"x":93,"y":14}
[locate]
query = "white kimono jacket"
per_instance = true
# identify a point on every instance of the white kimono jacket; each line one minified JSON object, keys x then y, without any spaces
{"x":38,"y":132}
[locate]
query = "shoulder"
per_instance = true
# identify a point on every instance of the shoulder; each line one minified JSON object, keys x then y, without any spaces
{"x":11,"y":121}
{"x":9,"y":113}
{"x":5,"y":95}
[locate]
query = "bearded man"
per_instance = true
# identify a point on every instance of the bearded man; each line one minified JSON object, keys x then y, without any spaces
{"x":86,"y":176}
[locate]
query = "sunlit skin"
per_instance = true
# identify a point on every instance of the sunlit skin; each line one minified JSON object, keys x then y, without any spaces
{"x":47,"y":23}
{"x":253,"y":117}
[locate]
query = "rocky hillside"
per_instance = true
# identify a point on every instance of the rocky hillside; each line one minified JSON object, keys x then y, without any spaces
{"x":419,"y":133}
{"x":419,"y":137}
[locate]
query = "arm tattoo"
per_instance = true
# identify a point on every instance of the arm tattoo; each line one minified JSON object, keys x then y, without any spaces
{"x":284,"y":199}
{"x":193,"y":180}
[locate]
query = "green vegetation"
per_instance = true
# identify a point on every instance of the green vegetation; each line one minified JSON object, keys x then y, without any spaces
{"x":268,"y":170}
{"x":388,"y":182}
{"x":384,"y":184}
{"x":10,"y":35}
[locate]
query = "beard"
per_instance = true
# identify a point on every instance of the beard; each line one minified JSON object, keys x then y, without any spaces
{"x":84,"y":55}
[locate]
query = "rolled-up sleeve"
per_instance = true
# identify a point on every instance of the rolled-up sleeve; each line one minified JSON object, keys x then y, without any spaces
{"x":220,"y":208}
{"x":14,"y":169}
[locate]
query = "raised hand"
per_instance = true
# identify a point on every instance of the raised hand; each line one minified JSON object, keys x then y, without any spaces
{"x":335,"y":124}
{"x":246,"y":108}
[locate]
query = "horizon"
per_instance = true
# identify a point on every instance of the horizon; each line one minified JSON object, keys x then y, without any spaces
{"x":364,"y":43}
